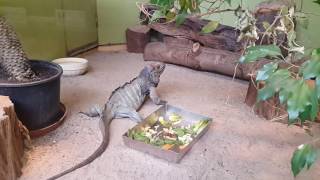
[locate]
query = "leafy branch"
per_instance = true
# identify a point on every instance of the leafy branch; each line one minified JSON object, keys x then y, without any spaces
{"x":297,"y":86}
{"x":179,"y":10}
{"x":298,"y":90}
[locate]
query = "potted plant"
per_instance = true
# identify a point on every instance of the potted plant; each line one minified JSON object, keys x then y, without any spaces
{"x":33,"y":86}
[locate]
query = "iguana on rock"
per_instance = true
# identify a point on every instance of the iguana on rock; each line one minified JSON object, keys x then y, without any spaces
{"x":124,"y":103}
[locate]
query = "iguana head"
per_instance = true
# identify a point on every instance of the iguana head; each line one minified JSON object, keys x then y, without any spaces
{"x":152,"y":72}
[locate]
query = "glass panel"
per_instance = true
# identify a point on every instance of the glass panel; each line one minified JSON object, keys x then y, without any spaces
{"x":80,"y":18}
{"x":228,"y":18}
{"x":310,"y":36}
{"x":114,"y":17}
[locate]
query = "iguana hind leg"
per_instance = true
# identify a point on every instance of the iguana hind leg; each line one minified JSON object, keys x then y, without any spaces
{"x":127,"y":112}
{"x":94,"y":111}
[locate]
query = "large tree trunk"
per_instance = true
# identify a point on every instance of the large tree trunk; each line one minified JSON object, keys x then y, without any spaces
{"x":13,"y":60}
{"x":12,"y":141}
{"x":199,"y":58}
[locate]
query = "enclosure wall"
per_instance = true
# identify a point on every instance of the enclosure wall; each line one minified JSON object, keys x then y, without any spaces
{"x":49,"y":29}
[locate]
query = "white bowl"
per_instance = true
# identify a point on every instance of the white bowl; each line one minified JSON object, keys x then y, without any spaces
{"x":72,"y":66}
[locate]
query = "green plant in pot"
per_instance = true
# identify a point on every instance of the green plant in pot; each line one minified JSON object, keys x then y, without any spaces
{"x":33,"y":86}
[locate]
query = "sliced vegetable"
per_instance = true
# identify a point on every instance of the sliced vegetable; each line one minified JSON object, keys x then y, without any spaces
{"x":199,"y":126}
{"x":167,"y":146}
{"x":175,"y":118}
{"x":164,"y":122}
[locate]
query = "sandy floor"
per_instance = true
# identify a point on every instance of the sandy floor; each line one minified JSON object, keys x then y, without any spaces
{"x":239,"y":145}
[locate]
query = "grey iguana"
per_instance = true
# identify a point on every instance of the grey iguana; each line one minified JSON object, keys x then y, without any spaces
{"x":124,"y":102}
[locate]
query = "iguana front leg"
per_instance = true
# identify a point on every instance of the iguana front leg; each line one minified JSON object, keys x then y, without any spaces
{"x":127,"y":112}
{"x":155,"y":97}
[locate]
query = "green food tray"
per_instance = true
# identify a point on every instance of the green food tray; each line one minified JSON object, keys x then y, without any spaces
{"x":172,"y":155}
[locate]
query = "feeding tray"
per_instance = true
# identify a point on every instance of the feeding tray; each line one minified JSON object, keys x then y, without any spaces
{"x":175,"y":153}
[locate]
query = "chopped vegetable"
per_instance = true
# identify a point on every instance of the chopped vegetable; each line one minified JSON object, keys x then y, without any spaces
{"x":167,"y":146}
{"x":164,"y":122}
{"x":183,"y":146}
{"x":175,"y":118}
{"x":199,"y":126}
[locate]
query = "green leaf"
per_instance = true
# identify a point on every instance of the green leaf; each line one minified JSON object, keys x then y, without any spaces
{"x":274,"y":83}
{"x":170,"y":16}
{"x":156,"y":15}
{"x":314,"y":104}
{"x":256,"y":52}
{"x":180,"y":132}
{"x":304,"y":155}
{"x":210,"y":27}
{"x":318,"y":86}
{"x":315,"y":55}
{"x":266,"y":93}
{"x":303,"y":116}
{"x":162,"y":3}
{"x":266,"y":70}
{"x":310,"y":69}
{"x":300,"y":99}
{"x":283,"y":96}
{"x":228,"y":1}
{"x":317,"y":2}
{"x":182,"y":4}
{"x":180,"y":18}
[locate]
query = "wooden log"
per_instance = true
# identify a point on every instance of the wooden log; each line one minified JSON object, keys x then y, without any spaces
{"x":224,"y":37}
{"x":12,"y":141}
{"x":251,"y":97}
{"x":137,"y":38}
{"x":201,"y":58}
{"x":268,"y":109}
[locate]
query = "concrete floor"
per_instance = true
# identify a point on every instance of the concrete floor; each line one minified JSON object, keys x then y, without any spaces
{"x":239,"y":145}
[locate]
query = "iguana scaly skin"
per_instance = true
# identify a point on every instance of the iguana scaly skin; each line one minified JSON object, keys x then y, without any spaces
{"x":124,"y":103}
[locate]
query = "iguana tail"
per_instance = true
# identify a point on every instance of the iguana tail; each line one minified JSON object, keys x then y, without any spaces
{"x":106,"y":117}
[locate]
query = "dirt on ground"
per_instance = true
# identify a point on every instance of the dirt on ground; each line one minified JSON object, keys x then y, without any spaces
{"x":238,"y":145}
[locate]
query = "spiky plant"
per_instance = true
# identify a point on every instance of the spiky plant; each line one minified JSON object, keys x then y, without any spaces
{"x":13,"y":60}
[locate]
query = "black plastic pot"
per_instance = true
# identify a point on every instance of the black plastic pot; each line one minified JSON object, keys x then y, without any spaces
{"x":37,"y":104}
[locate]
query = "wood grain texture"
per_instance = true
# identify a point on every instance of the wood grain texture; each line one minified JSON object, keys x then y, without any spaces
{"x":178,"y":51}
{"x":137,"y":38}
{"x":12,"y":137}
